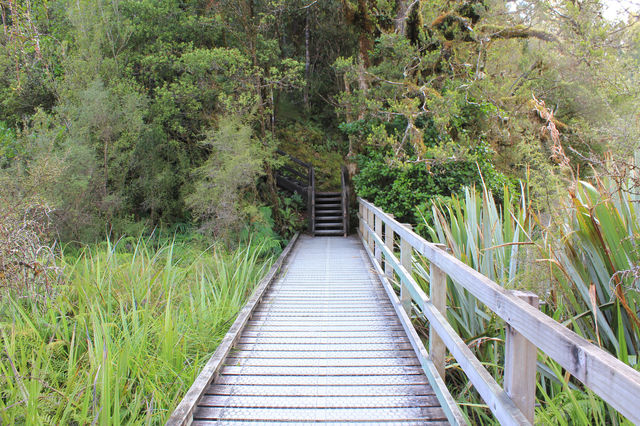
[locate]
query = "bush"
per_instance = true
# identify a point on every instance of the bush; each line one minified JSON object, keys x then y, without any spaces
{"x":398,"y":188}
{"x":232,"y":170}
{"x":27,"y":262}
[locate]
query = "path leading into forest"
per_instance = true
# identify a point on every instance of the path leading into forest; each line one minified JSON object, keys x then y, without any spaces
{"x":328,"y":337}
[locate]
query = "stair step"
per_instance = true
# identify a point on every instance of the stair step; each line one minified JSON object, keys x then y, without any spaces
{"x":329,"y":225}
{"x":328,"y":194}
{"x":327,"y":206}
{"x":329,"y":232}
{"x":335,"y":218}
{"x":328,"y":212}
{"x":329,"y":200}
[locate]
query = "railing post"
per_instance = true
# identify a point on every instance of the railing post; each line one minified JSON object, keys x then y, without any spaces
{"x":406,"y":254}
{"x":520,"y":364}
{"x":388,"y":241}
{"x":438,"y":296}
{"x":312,"y":196}
{"x":378,"y":250}
{"x":370,"y":239}
{"x":361,"y":212}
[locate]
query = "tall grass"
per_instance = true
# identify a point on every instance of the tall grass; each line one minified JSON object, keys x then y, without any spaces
{"x":125,"y":335}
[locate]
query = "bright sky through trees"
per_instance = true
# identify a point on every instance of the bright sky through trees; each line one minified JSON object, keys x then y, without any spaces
{"x":617,"y":9}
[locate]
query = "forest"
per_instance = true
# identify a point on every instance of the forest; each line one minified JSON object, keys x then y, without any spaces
{"x":138,"y":201}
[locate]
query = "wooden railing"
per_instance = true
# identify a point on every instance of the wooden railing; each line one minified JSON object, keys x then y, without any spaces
{"x":528,"y":329}
{"x":297,"y":176}
{"x":344,"y":177}
{"x":311,"y":200}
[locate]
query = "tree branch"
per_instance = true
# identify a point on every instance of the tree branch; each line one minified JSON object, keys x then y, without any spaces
{"x":516,"y":32}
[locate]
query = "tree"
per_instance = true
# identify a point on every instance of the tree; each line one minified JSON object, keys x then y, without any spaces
{"x":225,"y":178}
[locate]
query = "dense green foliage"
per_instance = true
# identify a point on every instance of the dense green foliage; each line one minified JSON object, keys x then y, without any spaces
{"x":400,"y":187}
{"x":119,"y":117}
{"x":124,"y":334}
{"x":110,"y":108}
{"x":117,"y":101}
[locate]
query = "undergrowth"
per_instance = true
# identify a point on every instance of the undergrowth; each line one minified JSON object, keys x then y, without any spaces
{"x":125,"y":334}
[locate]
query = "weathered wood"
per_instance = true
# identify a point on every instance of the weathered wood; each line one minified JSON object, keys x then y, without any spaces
{"x":378,"y":229}
{"x":292,"y":186}
{"x":389,"y":242}
{"x":406,"y":256}
{"x":438,"y":293}
{"x":449,"y":405}
{"x":614,"y":381}
{"x":304,"y":176}
{"x":370,"y":217}
{"x":328,"y":365}
{"x":183,"y":414}
{"x":496,"y":398}
{"x":294,"y":159}
{"x":520,"y":357}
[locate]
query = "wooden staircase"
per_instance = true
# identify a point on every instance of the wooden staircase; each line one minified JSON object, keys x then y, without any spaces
{"x":329,"y":214}
{"x":328,"y":211}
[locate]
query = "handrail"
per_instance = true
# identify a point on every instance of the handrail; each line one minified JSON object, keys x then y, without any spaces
{"x":344,"y":177}
{"x":295,"y":172}
{"x":300,"y":187}
{"x":611,"y":379}
{"x":294,"y":159}
{"x":311,"y":198}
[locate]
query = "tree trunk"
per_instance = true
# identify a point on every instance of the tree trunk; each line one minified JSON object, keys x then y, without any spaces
{"x":252,"y":32}
{"x":402,"y":13}
{"x":307,"y":60}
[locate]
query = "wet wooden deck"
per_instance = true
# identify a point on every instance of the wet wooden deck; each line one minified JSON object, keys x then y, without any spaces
{"x":324,"y":345}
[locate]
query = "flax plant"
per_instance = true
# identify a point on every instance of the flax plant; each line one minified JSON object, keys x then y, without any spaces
{"x":490,"y":238}
{"x":584,"y":265}
{"x":124,"y":337}
{"x":597,"y":262}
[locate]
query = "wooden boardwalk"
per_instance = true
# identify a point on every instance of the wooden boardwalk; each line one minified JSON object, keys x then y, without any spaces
{"x":325,"y":339}
{"x":323,"y":345}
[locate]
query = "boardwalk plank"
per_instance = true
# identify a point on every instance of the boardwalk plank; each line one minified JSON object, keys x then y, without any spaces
{"x":369,"y":401}
{"x":226,"y":379}
{"x":326,"y":362}
{"x":324,"y":345}
{"x":315,"y":414}
{"x":301,"y":390}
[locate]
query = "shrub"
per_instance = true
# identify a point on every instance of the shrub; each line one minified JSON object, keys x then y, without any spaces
{"x":27,"y":261}
{"x":399,"y":187}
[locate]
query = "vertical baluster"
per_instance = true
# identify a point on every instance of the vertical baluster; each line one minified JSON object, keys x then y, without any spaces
{"x":520,"y":364}
{"x":388,"y":241}
{"x":370,"y":240}
{"x":438,"y":296}
{"x":378,"y":250}
{"x":406,"y":254}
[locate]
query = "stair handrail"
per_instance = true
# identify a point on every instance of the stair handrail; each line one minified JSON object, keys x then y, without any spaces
{"x":312,"y":200}
{"x":344,"y":177}
{"x":294,"y":159}
{"x":310,"y":184}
